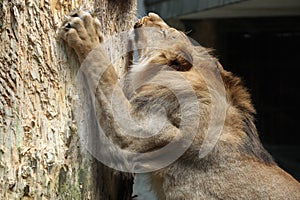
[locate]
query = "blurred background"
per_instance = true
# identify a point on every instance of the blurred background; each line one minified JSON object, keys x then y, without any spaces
{"x":259,"y":41}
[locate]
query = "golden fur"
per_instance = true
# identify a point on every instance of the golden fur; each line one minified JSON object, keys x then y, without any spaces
{"x":238,"y":167}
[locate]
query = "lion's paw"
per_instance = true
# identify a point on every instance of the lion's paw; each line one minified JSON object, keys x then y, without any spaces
{"x":151,"y":20}
{"x":81,"y":31}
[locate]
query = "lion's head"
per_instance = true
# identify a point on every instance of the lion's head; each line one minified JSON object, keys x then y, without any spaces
{"x":164,"y":48}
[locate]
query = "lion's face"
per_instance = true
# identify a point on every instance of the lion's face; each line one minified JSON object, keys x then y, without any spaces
{"x":169,"y":69}
{"x":162,"y":48}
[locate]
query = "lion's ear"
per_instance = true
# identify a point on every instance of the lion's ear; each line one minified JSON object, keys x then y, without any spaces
{"x":179,"y":60}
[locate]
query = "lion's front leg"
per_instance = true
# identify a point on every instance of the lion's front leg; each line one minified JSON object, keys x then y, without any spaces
{"x":81,"y":31}
{"x":118,"y":119}
{"x":98,"y":78}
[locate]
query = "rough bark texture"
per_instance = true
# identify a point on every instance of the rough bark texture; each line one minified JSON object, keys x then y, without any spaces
{"x":40,"y":153}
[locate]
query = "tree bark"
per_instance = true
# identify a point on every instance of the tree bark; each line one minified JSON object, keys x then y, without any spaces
{"x":40,"y":152}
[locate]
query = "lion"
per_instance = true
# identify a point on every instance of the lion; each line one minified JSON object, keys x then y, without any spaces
{"x":169,"y":81}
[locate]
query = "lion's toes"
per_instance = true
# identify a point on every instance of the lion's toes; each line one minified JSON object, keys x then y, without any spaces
{"x":151,"y":20}
{"x":81,"y":31}
{"x":77,"y":25}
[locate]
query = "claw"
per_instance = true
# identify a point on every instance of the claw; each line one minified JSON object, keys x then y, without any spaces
{"x":68,"y":26}
{"x":96,"y":12}
{"x":85,"y":7}
{"x":137,"y":25}
{"x":75,"y":15}
{"x":67,"y":17}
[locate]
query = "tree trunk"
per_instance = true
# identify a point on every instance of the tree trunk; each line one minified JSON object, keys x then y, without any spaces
{"x":40,"y":152}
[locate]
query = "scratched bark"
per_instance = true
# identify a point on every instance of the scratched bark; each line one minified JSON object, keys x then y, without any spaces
{"x":40,"y":153}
